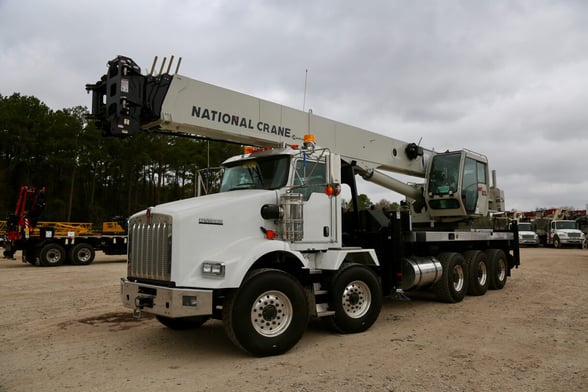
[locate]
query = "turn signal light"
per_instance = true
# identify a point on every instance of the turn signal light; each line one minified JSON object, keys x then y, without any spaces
{"x":270,"y":234}
{"x":333,"y":189}
{"x":251,"y":149}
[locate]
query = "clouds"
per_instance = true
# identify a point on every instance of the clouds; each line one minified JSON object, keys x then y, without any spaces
{"x":505,"y":78}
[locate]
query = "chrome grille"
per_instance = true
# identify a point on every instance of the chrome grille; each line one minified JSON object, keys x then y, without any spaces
{"x":576,"y":235}
{"x":150,"y":247}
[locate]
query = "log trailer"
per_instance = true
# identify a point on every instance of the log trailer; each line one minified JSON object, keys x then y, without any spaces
{"x":274,"y":248}
{"x":55,"y":243}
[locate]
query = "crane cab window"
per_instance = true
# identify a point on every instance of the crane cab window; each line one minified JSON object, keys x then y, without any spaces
{"x":309,"y":177}
{"x":474,"y":173}
{"x":444,"y":174}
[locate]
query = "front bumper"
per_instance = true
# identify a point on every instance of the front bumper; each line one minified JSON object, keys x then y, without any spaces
{"x":571,"y":241}
{"x":165,"y":301}
{"x":529,"y":242}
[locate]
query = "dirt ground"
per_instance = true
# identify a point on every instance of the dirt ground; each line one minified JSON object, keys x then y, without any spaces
{"x":63,"y":329}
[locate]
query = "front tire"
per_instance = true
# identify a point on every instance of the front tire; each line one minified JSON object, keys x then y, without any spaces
{"x":453,"y":285}
{"x":556,"y":242}
{"x":356,"y":298}
{"x":268,"y":314}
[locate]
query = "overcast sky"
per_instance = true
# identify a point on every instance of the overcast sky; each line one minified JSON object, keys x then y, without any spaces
{"x":506,"y":78}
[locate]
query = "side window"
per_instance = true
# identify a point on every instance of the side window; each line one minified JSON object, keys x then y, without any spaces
{"x":469,"y":186}
{"x":481,"y":173}
{"x":474,"y":173}
{"x":310,"y":177}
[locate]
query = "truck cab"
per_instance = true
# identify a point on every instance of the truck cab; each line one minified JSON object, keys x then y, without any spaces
{"x":565,"y":233}
{"x":527,"y":235}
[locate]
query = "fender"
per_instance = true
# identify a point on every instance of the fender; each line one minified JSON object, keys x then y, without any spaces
{"x":334,"y":258}
{"x":238,"y":258}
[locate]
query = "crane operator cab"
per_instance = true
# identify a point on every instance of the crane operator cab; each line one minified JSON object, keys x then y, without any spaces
{"x":458,"y":185}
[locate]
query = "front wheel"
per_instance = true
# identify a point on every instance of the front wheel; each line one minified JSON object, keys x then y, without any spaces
{"x":556,"y":242}
{"x":453,"y":285}
{"x":268,"y":314}
{"x":356,"y":298}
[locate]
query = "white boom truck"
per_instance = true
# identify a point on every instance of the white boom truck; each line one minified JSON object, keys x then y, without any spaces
{"x":274,"y":247}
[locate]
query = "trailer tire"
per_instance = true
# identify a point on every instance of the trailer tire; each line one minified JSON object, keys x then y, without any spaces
{"x":478,"y":276}
{"x":81,"y":254}
{"x":356,"y":297}
{"x":498,"y":267}
{"x":453,"y":285}
{"x":182,"y":323}
{"x":268,"y":314}
{"x":52,"y":255}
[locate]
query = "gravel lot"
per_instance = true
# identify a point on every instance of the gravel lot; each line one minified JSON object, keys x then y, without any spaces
{"x":63,"y":329}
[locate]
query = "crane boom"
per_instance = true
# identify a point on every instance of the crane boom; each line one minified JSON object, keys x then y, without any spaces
{"x":179,"y":104}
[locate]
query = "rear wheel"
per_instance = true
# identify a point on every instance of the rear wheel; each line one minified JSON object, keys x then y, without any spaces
{"x":356,"y":298}
{"x":82,"y":254}
{"x":182,"y":323}
{"x":268,"y":314}
{"x":452,"y":286}
{"x":498,"y":267}
{"x":52,"y":255}
{"x":477,"y":272}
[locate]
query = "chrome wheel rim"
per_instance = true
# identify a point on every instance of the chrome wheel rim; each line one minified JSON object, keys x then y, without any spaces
{"x":356,"y":299}
{"x":271,"y":314}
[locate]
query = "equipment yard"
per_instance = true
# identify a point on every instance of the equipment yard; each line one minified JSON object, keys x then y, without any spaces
{"x":65,"y":329}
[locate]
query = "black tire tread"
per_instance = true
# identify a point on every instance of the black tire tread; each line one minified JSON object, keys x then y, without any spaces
{"x":473,"y":257}
{"x":443,"y":289}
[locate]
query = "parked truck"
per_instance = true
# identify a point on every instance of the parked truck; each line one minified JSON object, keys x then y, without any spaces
{"x":559,"y":233}
{"x":54,"y":243}
{"x":527,"y":234}
{"x":275,"y":247}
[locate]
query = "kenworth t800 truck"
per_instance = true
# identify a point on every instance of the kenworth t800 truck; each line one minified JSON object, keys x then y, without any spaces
{"x":275,"y":247}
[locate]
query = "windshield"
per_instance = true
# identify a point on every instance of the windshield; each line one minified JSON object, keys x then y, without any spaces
{"x":565,"y":225}
{"x":444,"y":173}
{"x":525,"y":227}
{"x":262,"y":173}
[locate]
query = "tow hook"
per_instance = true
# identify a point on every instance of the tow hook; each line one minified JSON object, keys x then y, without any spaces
{"x":142,"y":301}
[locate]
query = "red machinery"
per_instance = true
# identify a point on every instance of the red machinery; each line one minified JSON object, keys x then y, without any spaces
{"x":29,"y":207}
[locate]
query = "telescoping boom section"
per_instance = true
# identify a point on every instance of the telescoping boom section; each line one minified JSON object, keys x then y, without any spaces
{"x":277,"y":245}
{"x":125,"y":101}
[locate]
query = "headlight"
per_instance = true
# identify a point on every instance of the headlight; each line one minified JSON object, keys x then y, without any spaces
{"x":215,"y":269}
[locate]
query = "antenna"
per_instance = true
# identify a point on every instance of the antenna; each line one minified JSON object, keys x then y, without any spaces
{"x":305,"y":84}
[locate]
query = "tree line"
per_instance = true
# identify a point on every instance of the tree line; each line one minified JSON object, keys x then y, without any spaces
{"x":89,"y":177}
{"x":92,"y":178}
